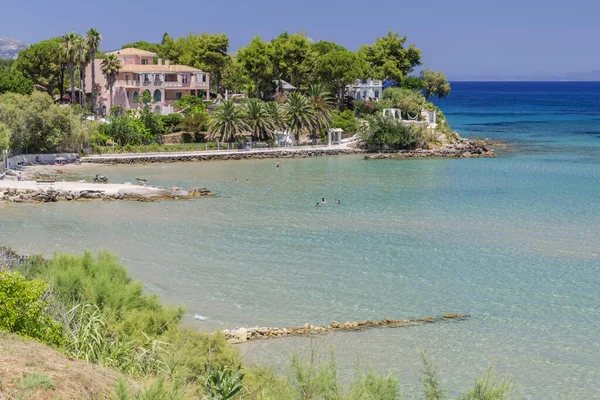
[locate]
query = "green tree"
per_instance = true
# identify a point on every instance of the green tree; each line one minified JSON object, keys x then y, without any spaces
{"x":13,"y":81}
{"x":4,"y":138}
{"x":207,"y":52}
{"x":277,"y":114}
{"x":322,"y":103}
{"x":110,"y":67}
{"x":299,"y":115}
{"x":256,"y":60}
{"x":42,"y":63}
{"x":234,"y":77}
{"x":345,"y":120}
{"x":124,"y":130}
{"x":70,"y":53}
{"x":93,"y":39}
{"x":259,"y":120}
{"x":83,"y":60}
{"x":339,"y":68}
{"x":24,"y":308}
{"x":143,"y":45}
{"x":227,"y":122}
{"x":293,"y":58}
{"x":39,"y":125}
{"x":323,"y":47}
{"x":389,"y":59}
{"x":434,"y":84}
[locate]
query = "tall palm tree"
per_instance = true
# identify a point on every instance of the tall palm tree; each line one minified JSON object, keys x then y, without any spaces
{"x":299,"y":115}
{"x":276,"y":113}
{"x":227,"y":122}
{"x":83,"y":60}
{"x":322,"y":102}
{"x":93,"y":39}
{"x":110,"y":67}
{"x":259,"y":119}
{"x":69,"y":52}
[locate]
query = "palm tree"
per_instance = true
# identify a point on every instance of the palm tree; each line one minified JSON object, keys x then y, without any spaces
{"x":69,"y":52}
{"x":83,"y":59}
{"x":259,"y":119}
{"x":322,"y":102}
{"x":299,"y":114}
{"x":275,"y":111}
{"x":93,"y":39}
{"x":227,"y":122}
{"x":110,"y":67}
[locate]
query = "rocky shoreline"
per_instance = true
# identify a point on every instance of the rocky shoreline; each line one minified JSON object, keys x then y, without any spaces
{"x":463,"y":148}
{"x":225,"y":155}
{"x":123,"y":192}
{"x":241,"y":335}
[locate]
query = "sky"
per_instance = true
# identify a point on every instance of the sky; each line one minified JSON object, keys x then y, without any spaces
{"x":465,"y":39}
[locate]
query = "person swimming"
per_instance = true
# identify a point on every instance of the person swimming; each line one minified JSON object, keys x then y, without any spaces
{"x":323,"y":201}
{"x":318,"y":204}
{"x":336,"y":201}
{"x":277,"y":163}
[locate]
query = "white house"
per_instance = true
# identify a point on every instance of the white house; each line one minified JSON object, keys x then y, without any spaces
{"x":365,"y":89}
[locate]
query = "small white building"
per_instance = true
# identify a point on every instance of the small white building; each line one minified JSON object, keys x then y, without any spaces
{"x":366,"y":89}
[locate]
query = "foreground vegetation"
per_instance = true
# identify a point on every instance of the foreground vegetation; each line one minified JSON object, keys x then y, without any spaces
{"x":90,"y":309}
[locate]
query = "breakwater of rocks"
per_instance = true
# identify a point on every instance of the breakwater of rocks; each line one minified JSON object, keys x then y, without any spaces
{"x":463,"y":148}
{"x":225,"y":155}
{"x":50,"y":195}
{"x":241,"y":335}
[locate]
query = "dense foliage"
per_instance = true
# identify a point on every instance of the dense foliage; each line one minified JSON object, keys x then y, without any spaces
{"x":37,"y":124}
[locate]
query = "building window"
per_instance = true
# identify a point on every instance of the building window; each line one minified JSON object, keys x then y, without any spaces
{"x":363,"y":81}
{"x":157,"y":78}
{"x":376,"y":93}
{"x":364,"y":95}
{"x":126,"y":78}
{"x":157,"y":96}
{"x":204,"y":77}
{"x":177,"y":95}
{"x":184,"y":79}
{"x":134,"y":97}
{"x":144,"y":61}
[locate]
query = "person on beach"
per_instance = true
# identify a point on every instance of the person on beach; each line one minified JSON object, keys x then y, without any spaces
{"x":323,"y":201}
{"x":19,"y":177}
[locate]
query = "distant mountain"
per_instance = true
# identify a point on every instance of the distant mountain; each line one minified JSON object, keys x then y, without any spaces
{"x":10,"y":47}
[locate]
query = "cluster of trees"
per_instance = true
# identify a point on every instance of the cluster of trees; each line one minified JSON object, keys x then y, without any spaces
{"x":258,"y":68}
{"x":34,"y":123}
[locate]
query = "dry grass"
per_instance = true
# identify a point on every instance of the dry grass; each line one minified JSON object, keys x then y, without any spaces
{"x":31,"y":370}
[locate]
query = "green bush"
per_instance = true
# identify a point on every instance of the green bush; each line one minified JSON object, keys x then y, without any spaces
{"x":391,"y":134}
{"x":102,"y":281}
{"x":345,"y":120}
{"x":24,"y":308}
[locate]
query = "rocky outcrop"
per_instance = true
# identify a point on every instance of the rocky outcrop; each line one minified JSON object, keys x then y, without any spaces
{"x":462,"y":148}
{"x":225,"y":155}
{"x":50,"y":195}
{"x":242,"y":335}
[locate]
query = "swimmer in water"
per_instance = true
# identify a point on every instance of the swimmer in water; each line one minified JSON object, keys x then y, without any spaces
{"x":318,"y":204}
{"x":277,"y":163}
{"x":323,"y":201}
{"x":336,"y":201}
{"x":247,"y":180}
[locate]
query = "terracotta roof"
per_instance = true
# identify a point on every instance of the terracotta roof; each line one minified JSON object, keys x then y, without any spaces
{"x":132,"y":51}
{"x":158,"y":68}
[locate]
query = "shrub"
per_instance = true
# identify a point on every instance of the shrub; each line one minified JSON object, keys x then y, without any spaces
{"x":103,"y":282}
{"x":24,"y":308}
{"x":391,"y":134}
{"x":345,"y":120}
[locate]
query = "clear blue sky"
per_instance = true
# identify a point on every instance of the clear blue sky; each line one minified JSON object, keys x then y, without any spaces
{"x":464,"y":38}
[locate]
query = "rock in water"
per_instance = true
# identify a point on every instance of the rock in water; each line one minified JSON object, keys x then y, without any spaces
{"x":241,"y":334}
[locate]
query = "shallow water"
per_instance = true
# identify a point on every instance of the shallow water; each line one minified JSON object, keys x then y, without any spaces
{"x":512,"y":241}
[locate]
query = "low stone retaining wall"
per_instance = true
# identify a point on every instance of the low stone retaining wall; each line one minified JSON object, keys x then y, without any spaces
{"x":50,"y":195}
{"x":242,"y":335}
{"x":464,"y":148}
{"x":225,"y":155}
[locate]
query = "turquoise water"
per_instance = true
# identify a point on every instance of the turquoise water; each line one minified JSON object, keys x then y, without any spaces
{"x":512,"y":241}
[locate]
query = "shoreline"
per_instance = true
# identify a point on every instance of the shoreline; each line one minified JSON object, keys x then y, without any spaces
{"x":31,"y":192}
{"x":462,"y":148}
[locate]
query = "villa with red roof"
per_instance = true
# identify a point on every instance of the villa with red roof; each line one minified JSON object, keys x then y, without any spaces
{"x":164,"y":82}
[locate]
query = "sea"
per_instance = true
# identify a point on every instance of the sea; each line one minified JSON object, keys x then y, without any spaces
{"x":512,"y":241}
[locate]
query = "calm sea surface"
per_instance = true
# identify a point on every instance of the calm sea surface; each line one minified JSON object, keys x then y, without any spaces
{"x":512,"y":241}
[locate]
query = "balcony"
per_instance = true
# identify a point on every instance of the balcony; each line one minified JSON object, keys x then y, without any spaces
{"x":200,"y":84}
{"x":127,"y":84}
{"x":173,"y":84}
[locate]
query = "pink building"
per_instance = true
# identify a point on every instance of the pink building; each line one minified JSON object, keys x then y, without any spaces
{"x":164,"y":82}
